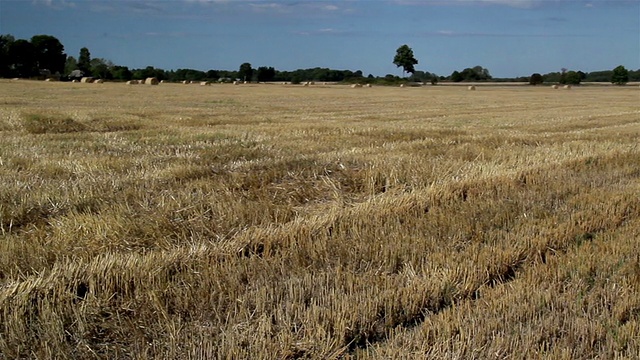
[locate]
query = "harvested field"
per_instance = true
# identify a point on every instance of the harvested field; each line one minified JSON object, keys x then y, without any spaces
{"x":281,"y":222}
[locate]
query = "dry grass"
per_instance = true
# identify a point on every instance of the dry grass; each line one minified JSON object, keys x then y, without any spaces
{"x":283,"y":222}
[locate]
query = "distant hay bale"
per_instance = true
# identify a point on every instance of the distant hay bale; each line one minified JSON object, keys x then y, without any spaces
{"x":151,"y":81}
{"x":567,"y":87}
{"x":368,"y":85}
{"x":204,"y":83}
{"x":471,"y":87}
{"x":554,"y":86}
{"x":235,"y":83}
{"x":401,"y":85}
{"x":98,"y":81}
{"x":356,"y":86}
{"x":185,"y":82}
{"x":74,"y":81}
{"x":86,"y":79}
{"x":162,"y":81}
{"x":49,"y":79}
{"x":132,"y":82}
{"x":311,"y":83}
{"x":245,"y":82}
{"x":306,"y":84}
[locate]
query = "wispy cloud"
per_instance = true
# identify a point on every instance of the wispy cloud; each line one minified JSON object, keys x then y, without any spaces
{"x":326,"y":32}
{"x":55,"y":4}
{"x":452,"y":33}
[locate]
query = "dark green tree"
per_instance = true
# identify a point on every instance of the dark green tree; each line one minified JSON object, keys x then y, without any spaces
{"x":245,"y":72}
{"x":70,"y":64}
{"x":265,"y":74}
{"x":620,"y":75}
{"x":536,"y":79}
{"x":121,"y":73}
{"x":101,"y":68}
{"x":456,"y":76}
{"x":84,"y":61}
{"x":22,"y":55}
{"x":49,"y":53}
{"x":212,"y":75}
{"x":5,"y":60}
{"x":570,"y":78}
{"x":404,"y":58}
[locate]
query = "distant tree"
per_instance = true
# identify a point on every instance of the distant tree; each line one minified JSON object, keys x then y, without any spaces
{"x":5,"y":60}
{"x":121,"y":73}
{"x":101,"y":68}
{"x":571,"y":78}
{"x":404,"y":58}
{"x":212,"y":75}
{"x":245,"y":72}
{"x":434,"y":79}
{"x":620,"y":75}
{"x":70,"y":64}
{"x":265,"y":74}
{"x":84,"y":61}
{"x":49,"y":53}
{"x":22,"y":55}
{"x":456,"y":76}
{"x":536,"y":79}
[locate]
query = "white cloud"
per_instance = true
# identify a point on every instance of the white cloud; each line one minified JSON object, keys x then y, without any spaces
{"x":55,"y":4}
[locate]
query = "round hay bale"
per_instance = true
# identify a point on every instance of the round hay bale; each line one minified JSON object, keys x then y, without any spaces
{"x":86,"y":79}
{"x":98,"y":81}
{"x":368,"y":85}
{"x":554,"y":86}
{"x":235,"y":83}
{"x":74,"y":81}
{"x":305,"y":84}
{"x":132,"y":82}
{"x":151,"y":81}
{"x":401,"y":85}
{"x":567,"y":87}
{"x":205,"y":83}
{"x":356,"y":86}
{"x":471,"y":88}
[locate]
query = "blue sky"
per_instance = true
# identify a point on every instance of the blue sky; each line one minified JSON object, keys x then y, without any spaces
{"x":509,"y":37}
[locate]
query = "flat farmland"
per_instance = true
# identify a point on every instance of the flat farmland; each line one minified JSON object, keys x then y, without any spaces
{"x":265,"y":221}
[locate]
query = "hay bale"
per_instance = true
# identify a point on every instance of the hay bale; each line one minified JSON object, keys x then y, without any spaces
{"x":368,"y":85}
{"x":74,"y":81}
{"x":567,"y":87}
{"x":151,"y":81}
{"x":162,"y":81}
{"x":554,"y":86}
{"x":132,"y":82}
{"x":205,"y":83}
{"x":98,"y":81}
{"x":48,"y":79}
{"x":471,"y":88}
{"x":86,"y":79}
{"x":235,"y":83}
{"x":356,"y":86}
{"x":401,"y":85}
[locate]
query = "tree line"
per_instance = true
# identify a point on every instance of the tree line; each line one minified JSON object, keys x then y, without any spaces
{"x":43,"y":56}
